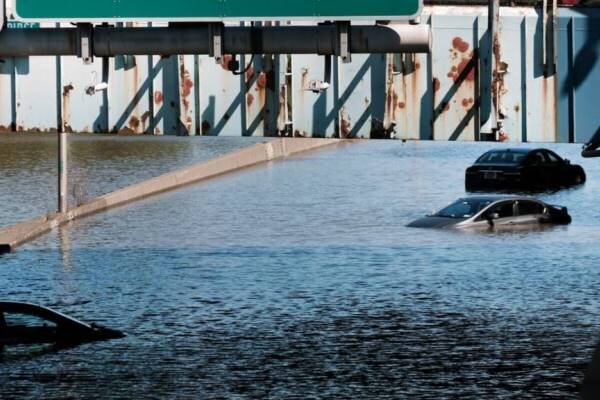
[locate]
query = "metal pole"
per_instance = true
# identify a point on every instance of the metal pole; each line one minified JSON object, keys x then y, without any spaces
{"x":2,"y":14}
{"x":195,"y":39}
{"x":495,"y":18}
{"x":62,"y":172}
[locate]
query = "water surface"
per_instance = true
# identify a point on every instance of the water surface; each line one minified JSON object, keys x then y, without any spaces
{"x":300,"y":280}
{"x":98,"y":164}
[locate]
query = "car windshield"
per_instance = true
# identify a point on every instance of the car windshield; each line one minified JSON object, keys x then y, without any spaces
{"x":501,"y":157}
{"x":463,"y":208}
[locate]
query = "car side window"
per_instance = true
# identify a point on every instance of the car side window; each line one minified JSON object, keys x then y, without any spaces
{"x":552,"y":158}
{"x":14,"y":319}
{"x":504,"y":210}
{"x":537,"y":158}
{"x":530,"y":208}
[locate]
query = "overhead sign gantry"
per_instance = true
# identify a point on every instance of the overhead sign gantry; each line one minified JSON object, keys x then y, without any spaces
{"x":215,"y":10}
{"x":338,"y":32}
{"x":338,"y":27}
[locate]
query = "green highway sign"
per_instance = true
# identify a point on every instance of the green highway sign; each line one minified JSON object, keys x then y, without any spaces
{"x":213,"y":10}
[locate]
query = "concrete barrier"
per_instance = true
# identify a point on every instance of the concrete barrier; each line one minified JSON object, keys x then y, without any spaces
{"x":13,"y":236}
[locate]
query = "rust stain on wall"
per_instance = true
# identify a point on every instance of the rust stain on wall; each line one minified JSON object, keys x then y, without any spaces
{"x":158,"y":97}
{"x":459,"y":44}
{"x":187,"y":84}
{"x":262,"y":80}
{"x":225,"y":60}
{"x":454,"y":115}
{"x":391,"y":101}
{"x":134,"y":123}
{"x":500,"y":69}
{"x":282,"y":113}
{"x":144,"y":120}
{"x":250,"y":73}
{"x":66,"y":108}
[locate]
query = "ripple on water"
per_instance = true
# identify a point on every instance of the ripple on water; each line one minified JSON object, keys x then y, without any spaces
{"x":299,"y":280}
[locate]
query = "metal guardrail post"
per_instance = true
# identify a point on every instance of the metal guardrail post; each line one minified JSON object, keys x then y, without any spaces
{"x":62,"y":172}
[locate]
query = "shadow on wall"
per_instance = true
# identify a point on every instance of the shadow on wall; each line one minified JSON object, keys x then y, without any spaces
{"x":374,"y":68}
{"x":585,"y":60}
{"x":169,"y":104}
{"x":257,"y":99}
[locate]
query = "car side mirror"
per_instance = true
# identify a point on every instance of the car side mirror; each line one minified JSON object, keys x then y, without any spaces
{"x":567,"y":161}
{"x":494,"y":216}
{"x":491,"y":217}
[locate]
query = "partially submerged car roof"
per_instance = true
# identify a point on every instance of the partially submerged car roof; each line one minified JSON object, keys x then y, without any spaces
{"x":41,"y":312}
{"x":519,"y":150}
{"x":498,"y":197}
{"x":67,"y":330}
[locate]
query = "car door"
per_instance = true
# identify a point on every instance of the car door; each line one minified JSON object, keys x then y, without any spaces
{"x":529,"y":212}
{"x":555,"y":169}
{"x":505,"y":211}
{"x":536,"y":163}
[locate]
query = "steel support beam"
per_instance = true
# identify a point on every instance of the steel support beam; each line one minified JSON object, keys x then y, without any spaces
{"x":196,"y":39}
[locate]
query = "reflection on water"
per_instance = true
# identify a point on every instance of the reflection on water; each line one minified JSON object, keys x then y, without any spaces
{"x":300,"y":280}
{"x":591,"y":383}
{"x":97,"y":165}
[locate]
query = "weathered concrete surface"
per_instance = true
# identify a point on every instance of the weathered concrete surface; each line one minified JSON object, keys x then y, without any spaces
{"x":16,"y":235}
{"x":276,"y":149}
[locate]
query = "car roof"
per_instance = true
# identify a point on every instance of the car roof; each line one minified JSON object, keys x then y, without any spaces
{"x":493,"y":198}
{"x":43,"y":313}
{"x":519,"y":150}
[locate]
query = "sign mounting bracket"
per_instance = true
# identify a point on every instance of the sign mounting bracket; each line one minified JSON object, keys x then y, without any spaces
{"x":85,"y":43}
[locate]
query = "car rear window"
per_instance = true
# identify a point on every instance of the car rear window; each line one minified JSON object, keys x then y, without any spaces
{"x":530,"y":207}
{"x":501,"y":157}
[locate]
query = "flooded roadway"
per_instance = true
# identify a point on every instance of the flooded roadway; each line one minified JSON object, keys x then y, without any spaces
{"x":299,"y":280}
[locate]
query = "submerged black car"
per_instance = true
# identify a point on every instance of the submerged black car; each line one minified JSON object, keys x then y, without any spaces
{"x":498,"y":212}
{"x":28,"y":324}
{"x":522,"y":169}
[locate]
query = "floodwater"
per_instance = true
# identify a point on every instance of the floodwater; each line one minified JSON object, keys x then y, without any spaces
{"x":300,"y":280}
{"x":98,"y":164}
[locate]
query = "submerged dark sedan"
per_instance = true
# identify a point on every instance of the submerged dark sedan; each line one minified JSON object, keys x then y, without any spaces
{"x":522,"y":169}
{"x":28,"y":324}
{"x":494,"y":212}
